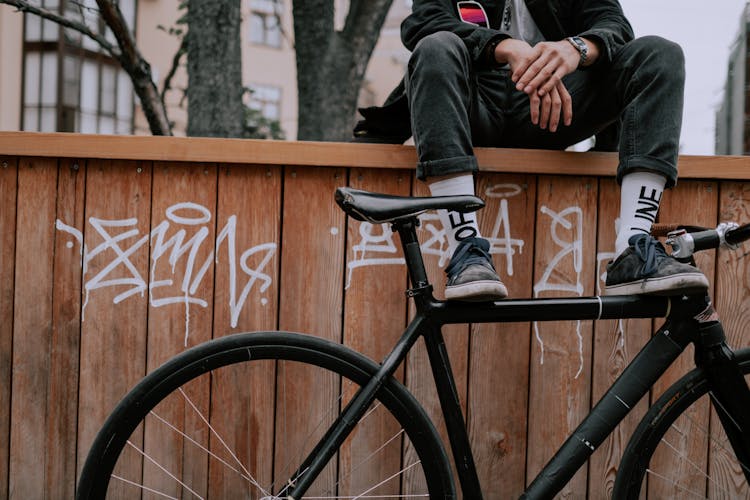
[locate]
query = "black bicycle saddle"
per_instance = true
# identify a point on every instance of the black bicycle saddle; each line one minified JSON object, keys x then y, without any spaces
{"x":378,"y":208}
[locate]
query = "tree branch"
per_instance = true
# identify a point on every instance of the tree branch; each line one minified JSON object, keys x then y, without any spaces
{"x":137,"y":67}
{"x":114,"y":19}
{"x":24,"y":6}
{"x":125,"y":52}
{"x":181,"y":51}
{"x":365,"y":17}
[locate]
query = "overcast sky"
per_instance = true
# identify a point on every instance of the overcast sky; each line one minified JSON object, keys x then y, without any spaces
{"x":706,"y":30}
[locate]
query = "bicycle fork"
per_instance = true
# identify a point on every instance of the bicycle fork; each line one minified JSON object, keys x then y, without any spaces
{"x":728,"y":389}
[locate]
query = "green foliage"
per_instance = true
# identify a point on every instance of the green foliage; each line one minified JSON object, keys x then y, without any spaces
{"x":180,"y":27}
{"x":257,"y":126}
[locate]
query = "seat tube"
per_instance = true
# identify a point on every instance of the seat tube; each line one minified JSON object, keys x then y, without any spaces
{"x":407,"y":231}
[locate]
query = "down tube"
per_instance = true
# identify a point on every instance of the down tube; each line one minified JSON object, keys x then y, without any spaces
{"x":634,"y":382}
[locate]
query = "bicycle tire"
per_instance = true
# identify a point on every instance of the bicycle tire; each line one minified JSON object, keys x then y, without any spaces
{"x":680,"y":432}
{"x":283,"y":352}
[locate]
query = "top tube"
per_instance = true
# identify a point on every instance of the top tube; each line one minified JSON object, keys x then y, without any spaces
{"x":550,"y":309}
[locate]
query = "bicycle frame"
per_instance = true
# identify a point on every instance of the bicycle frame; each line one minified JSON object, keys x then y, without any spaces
{"x":689,"y":319}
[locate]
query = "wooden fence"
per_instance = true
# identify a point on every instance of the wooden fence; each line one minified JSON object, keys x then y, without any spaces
{"x":97,"y":289}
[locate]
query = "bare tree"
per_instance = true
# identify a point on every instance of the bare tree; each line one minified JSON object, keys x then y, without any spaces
{"x":331,"y":63}
{"x":125,"y":52}
{"x":212,"y":46}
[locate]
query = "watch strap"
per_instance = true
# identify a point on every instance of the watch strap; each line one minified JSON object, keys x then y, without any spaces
{"x":581,"y":47}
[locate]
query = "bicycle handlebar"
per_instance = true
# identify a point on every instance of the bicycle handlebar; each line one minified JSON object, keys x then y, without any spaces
{"x":685,"y":243}
{"x":738,"y":235}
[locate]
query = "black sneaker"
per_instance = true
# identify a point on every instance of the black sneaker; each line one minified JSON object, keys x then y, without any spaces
{"x":471,"y":275}
{"x":645,"y":268}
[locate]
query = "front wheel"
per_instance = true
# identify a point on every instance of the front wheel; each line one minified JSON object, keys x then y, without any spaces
{"x":234,"y":417}
{"x":680,"y":449}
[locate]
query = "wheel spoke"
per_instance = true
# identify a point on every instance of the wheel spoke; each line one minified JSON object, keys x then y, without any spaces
{"x":235,"y":416}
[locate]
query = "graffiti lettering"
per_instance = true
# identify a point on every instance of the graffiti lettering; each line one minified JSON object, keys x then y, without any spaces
{"x":376,"y":247}
{"x":569,"y":219}
{"x":170,"y":243}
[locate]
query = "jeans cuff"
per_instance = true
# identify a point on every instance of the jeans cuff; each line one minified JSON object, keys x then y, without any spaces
{"x":656,"y":165}
{"x":446,"y":166}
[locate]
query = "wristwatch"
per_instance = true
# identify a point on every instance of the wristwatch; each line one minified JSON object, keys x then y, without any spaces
{"x":581,"y":47}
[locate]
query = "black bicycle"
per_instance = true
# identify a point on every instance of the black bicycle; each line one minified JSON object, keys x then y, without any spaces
{"x":171,"y":429}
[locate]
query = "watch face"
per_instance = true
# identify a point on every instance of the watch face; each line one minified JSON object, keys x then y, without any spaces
{"x":579,"y":44}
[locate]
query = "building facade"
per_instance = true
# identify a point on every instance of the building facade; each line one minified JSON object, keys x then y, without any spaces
{"x":54,"y":79}
{"x":733,"y":115}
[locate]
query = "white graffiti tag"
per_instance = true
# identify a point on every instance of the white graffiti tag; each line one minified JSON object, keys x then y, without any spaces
{"x":380,"y":241}
{"x":569,"y":219}
{"x":171,"y":244}
{"x":504,"y":244}
{"x":377,"y":247}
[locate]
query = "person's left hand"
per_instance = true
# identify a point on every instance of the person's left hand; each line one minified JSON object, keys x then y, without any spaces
{"x":552,"y":107}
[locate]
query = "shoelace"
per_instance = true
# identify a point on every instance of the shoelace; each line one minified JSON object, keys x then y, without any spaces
{"x":470,"y":251}
{"x":651,"y":252}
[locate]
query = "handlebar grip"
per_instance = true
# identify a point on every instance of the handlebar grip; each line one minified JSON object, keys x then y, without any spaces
{"x":737,"y":236}
{"x":704,"y":240}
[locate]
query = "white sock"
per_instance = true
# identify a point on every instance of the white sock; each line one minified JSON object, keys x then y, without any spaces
{"x":458,"y":226}
{"x":640,"y":195}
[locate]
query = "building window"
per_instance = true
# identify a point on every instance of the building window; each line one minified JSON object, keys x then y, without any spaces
{"x":266,"y":99}
{"x":265,"y":22}
{"x":70,"y":84}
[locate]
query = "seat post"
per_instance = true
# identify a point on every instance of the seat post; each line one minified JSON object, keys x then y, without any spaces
{"x":407,"y":231}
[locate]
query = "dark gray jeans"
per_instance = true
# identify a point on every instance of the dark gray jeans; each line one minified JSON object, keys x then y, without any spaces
{"x":453,"y":107}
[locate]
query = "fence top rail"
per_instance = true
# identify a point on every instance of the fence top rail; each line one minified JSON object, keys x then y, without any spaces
{"x":336,"y":154}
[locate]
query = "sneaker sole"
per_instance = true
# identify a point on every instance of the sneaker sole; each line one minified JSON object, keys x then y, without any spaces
{"x":477,"y":291}
{"x":667,"y":285}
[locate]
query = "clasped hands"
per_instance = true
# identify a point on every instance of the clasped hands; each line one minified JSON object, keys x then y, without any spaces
{"x":538,"y":71}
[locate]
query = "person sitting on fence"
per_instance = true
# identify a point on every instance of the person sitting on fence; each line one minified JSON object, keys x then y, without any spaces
{"x":533,"y":74}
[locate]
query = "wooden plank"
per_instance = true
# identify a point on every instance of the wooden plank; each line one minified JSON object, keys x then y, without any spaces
{"x":62,"y":403}
{"x":114,"y":314}
{"x":342,"y":154}
{"x":564,"y":265}
{"x":312,"y":264}
{"x":374,"y":319}
{"x":697,"y":201}
{"x":498,"y":392}
{"x":180,"y":316}
{"x":732,"y":291}
{"x":115,"y":327}
{"x":418,"y":372}
{"x":616,"y":342}
{"x":8,"y":191}
{"x":242,"y":410}
{"x":313,"y":239}
{"x":32,"y":325}
{"x":732,"y":297}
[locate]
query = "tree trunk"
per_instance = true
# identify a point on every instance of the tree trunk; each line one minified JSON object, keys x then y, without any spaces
{"x":331,"y":64}
{"x":214,"y":68}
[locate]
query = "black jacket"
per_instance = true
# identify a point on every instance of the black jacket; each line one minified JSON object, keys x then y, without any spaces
{"x":600,"y":20}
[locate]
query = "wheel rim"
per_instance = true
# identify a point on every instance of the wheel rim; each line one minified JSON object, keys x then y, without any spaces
{"x":231,"y":433}
{"x":693,"y":458}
